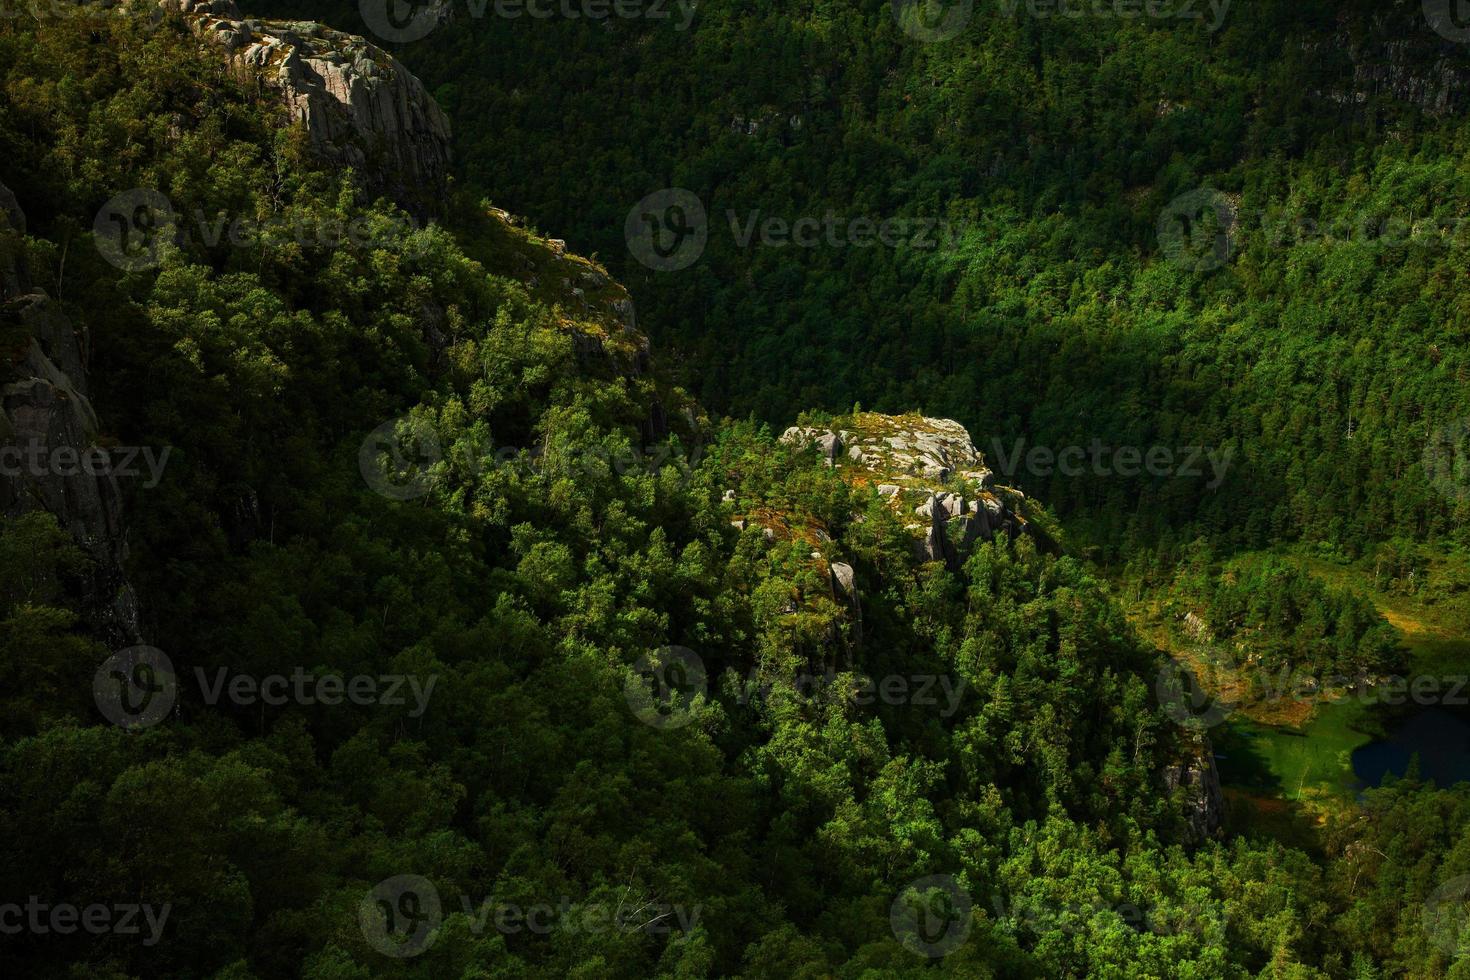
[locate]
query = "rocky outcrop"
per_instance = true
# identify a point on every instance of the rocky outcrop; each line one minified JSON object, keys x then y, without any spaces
{"x":1437,"y":86}
{"x":598,"y":314}
{"x":930,"y":473}
{"x":50,"y":458}
{"x":1404,"y":51}
{"x":359,"y":105}
{"x":907,"y":446}
{"x":10,"y":211}
{"x":1197,"y":777}
{"x":926,"y":470}
{"x":1194,"y":627}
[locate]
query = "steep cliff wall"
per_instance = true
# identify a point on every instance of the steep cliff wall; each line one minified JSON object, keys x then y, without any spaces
{"x":1409,"y":52}
{"x":1199,"y":778}
{"x":51,"y":454}
{"x":361,"y":107}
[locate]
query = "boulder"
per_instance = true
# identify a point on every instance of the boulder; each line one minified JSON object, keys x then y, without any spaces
{"x":828,"y":443}
{"x":845,"y":590}
{"x":844,"y":580}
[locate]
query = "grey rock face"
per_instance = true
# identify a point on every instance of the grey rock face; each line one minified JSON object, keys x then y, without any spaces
{"x":1398,"y":53}
{"x":933,"y":546}
{"x":968,"y":529}
{"x":844,"y":580}
{"x":829,"y":444}
{"x":1200,"y":780}
{"x":844,"y":589}
{"x":361,"y":107}
{"x":46,"y":416}
{"x":942,"y":506}
{"x":1197,"y":629}
{"x":925,"y":467}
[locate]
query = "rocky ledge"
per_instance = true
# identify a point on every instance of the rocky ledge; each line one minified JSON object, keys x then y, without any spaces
{"x":930,"y":473}
{"x":597,"y":313}
{"x":926,"y":470}
{"x":359,"y":105}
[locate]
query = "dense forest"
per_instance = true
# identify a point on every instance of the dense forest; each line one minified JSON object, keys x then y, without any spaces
{"x":1317,"y":338}
{"x":439,"y":456}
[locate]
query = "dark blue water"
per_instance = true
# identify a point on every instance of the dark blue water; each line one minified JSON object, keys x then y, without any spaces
{"x":1439,"y":737}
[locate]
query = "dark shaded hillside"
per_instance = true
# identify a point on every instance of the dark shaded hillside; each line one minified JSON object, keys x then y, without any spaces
{"x":1324,"y":354}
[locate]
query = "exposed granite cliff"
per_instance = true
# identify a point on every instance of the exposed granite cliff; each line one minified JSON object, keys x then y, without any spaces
{"x":50,"y":438}
{"x":360,"y":106}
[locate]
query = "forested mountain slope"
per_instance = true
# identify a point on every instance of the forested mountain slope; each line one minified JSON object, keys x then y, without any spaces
{"x":444,"y":457}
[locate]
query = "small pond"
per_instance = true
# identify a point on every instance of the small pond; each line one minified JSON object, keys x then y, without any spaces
{"x":1440,"y":737}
